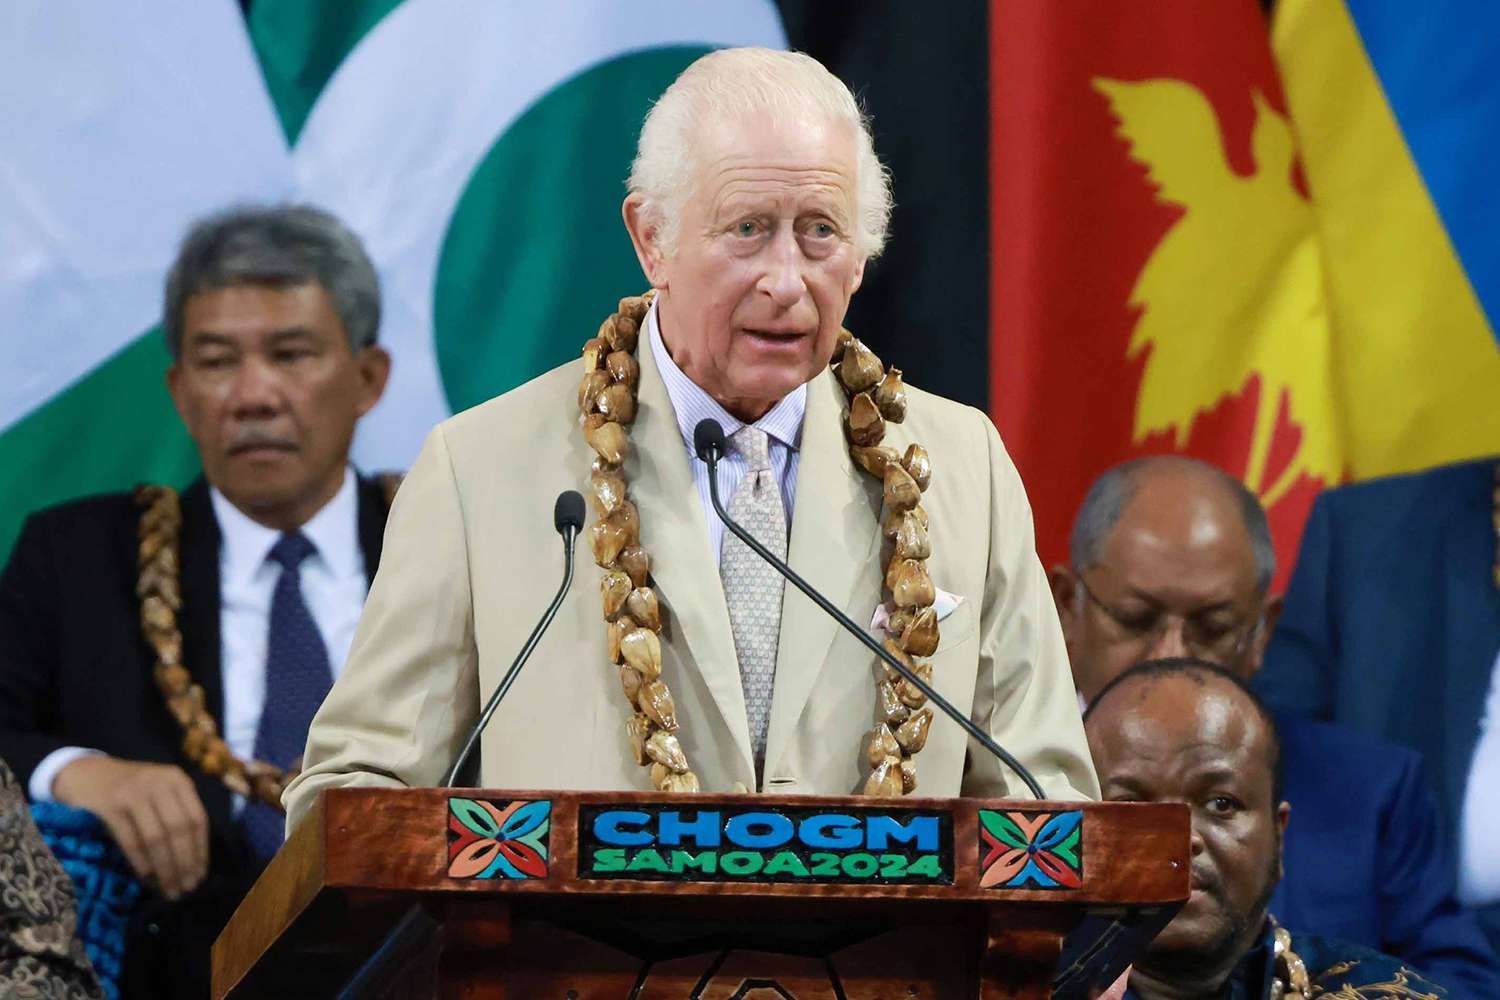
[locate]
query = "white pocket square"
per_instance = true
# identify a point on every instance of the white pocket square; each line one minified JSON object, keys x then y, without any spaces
{"x":944,"y":604}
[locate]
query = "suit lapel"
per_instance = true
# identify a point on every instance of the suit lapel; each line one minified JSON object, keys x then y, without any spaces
{"x":1471,"y":618}
{"x":834,"y":534}
{"x":675,"y":531}
{"x":200,"y":594}
{"x":372,"y":514}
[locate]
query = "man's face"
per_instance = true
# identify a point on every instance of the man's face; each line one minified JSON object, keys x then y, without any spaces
{"x":1199,"y":742}
{"x":1175,"y":577}
{"x":754,"y":295}
{"x":270,"y":392}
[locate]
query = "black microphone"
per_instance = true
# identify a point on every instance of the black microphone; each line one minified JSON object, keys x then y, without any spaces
{"x":567,"y":518}
{"x":708,"y":442}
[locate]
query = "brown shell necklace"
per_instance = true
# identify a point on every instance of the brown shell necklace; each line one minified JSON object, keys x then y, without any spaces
{"x":632,"y":613}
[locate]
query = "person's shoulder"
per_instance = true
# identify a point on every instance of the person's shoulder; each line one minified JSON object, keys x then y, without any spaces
{"x":1355,"y":971}
{"x":1337,"y":744}
{"x":925,"y":405}
{"x":1344,"y":768}
{"x":85,"y":514}
{"x":947,"y":423}
{"x":525,"y":412}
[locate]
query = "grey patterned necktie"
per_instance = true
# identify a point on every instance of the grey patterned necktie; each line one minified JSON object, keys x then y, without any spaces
{"x":752,"y":588}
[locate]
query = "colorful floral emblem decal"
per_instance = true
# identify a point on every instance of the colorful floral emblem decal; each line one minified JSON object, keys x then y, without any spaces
{"x":498,"y":839}
{"x":1022,"y":849}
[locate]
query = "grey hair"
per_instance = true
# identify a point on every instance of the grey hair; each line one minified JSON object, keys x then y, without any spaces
{"x":280,"y":246}
{"x":730,"y":83}
{"x":1112,"y":492}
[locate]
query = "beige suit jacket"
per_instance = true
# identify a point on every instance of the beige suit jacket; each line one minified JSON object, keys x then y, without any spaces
{"x":470,"y":561}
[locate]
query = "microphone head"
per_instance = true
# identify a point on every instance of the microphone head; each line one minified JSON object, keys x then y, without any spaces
{"x":568,"y":511}
{"x":708,"y":437}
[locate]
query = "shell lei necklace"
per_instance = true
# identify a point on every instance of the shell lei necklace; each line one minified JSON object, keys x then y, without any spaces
{"x":632,"y":613}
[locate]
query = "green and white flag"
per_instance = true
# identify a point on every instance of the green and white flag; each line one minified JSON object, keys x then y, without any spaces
{"x":478,"y":147}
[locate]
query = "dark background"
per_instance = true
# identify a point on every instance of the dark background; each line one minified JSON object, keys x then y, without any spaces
{"x":922,"y":71}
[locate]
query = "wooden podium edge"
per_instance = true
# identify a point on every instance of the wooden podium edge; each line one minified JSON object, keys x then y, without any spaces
{"x":283,"y":892}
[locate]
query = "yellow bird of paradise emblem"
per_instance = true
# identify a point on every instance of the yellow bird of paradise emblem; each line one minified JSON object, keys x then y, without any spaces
{"x":1234,"y":290}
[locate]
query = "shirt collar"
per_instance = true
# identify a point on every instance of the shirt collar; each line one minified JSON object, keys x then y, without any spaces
{"x":333,"y":530}
{"x":783,"y":422}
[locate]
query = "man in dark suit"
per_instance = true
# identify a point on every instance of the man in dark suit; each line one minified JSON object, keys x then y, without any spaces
{"x":1392,"y":627}
{"x":271,"y":318}
{"x":1172,"y":558}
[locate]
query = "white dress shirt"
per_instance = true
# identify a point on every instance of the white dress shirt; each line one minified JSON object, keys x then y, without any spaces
{"x":782,"y":424}
{"x":334,"y":587}
{"x":1479,"y":850}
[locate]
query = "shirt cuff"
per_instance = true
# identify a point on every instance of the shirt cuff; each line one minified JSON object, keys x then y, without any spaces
{"x":40,"y":786}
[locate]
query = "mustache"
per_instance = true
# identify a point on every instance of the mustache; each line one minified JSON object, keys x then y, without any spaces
{"x":254,"y":436}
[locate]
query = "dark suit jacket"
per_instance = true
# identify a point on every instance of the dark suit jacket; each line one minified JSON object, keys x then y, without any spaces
{"x":75,"y":671}
{"x":1368,"y":860}
{"x":1392,"y":619}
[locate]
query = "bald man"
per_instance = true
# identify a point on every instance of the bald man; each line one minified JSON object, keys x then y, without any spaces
{"x":1172,"y":557}
{"x":1183,"y":730}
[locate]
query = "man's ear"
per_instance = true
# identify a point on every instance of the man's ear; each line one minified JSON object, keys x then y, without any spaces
{"x":174,"y":388}
{"x":1270,"y":614}
{"x":374,"y":364}
{"x":1065,"y":596}
{"x":1283,"y":816}
{"x":645,"y":236}
{"x":859,"y":274}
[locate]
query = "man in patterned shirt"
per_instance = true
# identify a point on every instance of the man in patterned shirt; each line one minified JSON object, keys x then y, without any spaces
{"x":1183,"y":730}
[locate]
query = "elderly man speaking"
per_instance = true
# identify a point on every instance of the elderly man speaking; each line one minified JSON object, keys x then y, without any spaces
{"x":681,"y":662}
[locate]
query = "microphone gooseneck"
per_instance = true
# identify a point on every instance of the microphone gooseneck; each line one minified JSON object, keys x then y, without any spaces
{"x":708,"y":442}
{"x":567,"y":518}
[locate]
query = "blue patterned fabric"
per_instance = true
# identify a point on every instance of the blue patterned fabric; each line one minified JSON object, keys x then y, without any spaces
{"x":298,"y":677}
{"x":1336,"y":971}
{"x":106,"y":887}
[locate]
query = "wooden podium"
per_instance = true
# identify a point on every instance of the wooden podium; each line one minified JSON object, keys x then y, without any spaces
{"x":582,"y":895}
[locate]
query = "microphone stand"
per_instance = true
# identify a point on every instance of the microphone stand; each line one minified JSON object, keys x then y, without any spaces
{"x":417,"y":925}
{"x":714,"y":451}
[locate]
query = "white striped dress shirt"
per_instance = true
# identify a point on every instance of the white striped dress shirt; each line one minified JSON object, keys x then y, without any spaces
{"x":783,"y":424}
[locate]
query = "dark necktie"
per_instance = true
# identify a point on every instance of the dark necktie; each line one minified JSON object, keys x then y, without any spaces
{"x":297,"y":679}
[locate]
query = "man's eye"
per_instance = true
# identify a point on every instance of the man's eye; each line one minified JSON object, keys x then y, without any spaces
{"x":1223,"y":805}
{"x":746,"y":229}
{"x":1139,"y":621}
{"x":214,"y":362}
{"x":1214,"y":629}
{"x":822,"y":230}
{"x":292,"y":355}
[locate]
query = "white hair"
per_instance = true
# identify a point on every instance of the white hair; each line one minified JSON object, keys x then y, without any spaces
{"x":731,"y":83}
